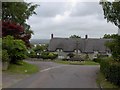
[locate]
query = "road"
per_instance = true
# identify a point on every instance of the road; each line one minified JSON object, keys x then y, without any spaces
{"x":61,"y":76}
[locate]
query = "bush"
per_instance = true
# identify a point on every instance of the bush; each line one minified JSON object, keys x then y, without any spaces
{"x":16,"y":48}
{"x":32,"y":54}
{"x":40,"y":48}
{"x":47,"y":55}
{"x":100,"y":57}
{"x":52,"y":56}
{"x":5,"y":56}
{"x":44,"y":55}
{"x":98,"y":60}
{"x":71,"y":55}
{"x":111,"y":70}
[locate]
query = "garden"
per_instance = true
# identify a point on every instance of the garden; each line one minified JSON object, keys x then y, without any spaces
{"x":15,"y":37}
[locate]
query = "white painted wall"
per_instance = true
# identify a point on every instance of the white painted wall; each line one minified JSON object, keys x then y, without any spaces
{"x":118,"y":31}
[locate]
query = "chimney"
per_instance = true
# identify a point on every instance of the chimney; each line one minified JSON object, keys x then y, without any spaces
{"x":51,"y":36}
{"x":86,"y":36}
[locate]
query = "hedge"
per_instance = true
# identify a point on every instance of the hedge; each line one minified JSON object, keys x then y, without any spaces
{"x":111,"y":70}
{"x":48,"y":55}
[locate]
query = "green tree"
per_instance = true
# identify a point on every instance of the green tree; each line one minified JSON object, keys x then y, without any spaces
{"x":111,"y":11}
{"x":16,"y":49}
{"x":112,"y":14}
{"x":74,"y":36}
{"x":40,"y":48}
{"x":115,"y":48}
{"x":112,"y":36}
{"x":18,"y":13}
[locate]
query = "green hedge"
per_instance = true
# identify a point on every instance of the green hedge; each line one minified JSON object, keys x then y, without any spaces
{"x":47,"y":55}
{"x":98,"y":60}
{"x":111,"y":70}
{"x":32,"y":54}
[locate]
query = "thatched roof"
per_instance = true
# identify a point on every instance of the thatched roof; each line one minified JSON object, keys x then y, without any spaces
{"x":84,"y":45}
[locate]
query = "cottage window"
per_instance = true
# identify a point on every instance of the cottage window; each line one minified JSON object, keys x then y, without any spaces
{"x":75,"y":51}
{"x":95,"y":52}
{"x":78,"y":51}
{"x":59,"y":50}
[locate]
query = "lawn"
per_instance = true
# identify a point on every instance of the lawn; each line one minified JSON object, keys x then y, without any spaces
{"x":76,"y":62}
{"x":104,"y":83}
{"x":22,"y":68}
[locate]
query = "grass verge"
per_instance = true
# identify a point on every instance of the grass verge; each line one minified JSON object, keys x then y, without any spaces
{"x":77,"y":62}
{"x":22,"y":68}
{"x":101,"y":80}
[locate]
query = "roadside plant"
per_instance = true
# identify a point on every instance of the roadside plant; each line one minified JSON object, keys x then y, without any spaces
{"x":16,"y":48}
{"x":115,"y":48}
{"x":5,"y":56}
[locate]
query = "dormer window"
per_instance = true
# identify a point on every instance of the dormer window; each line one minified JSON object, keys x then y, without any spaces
{"x":59,"y":50}
{"x":77,"y":51}
{"x":95,"y":52}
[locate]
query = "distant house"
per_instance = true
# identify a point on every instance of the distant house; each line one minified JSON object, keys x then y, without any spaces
{"x":81,"y":46}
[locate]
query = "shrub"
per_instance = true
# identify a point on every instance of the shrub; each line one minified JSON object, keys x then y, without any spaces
{"x":98,"y":60}
{"x":87,"y":57}
{"x":47,"y":55}
{"x":44,"y":55}
{"x":40,"y":48}
{"x":5,"y":56}
{"x":100,"y":57}
{"x":52,"y":56}
{"x":71,"y":55}
{"x":16,"y":48}
{"x":32,"y":54}
{"x":111,"y":70}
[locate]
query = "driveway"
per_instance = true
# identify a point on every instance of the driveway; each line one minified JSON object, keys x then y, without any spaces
{"x":55,"y":75}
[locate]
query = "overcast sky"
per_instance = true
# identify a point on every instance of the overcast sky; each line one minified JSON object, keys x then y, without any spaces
{"x":67,"y":18}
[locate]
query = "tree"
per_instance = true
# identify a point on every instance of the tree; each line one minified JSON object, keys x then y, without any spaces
{"x":114,"y":46}
{"x":112,"y":14}
{"x":16,"y":49}
{"x":16,"y":14}
{"x":10,"y":28}
{"x":74,"y":36}
{"x":112,"y":36}
{"x":40,"y":48}
{"x":111,"y":11}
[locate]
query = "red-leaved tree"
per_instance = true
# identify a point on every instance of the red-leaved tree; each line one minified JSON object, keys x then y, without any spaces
{"x":15,"y":30}
{"x":14,"y":17}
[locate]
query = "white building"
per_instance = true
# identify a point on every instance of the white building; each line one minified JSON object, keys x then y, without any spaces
{"x":118,"y":31}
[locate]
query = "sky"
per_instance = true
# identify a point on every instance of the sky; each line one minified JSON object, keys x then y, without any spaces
{"x":64,"y":19}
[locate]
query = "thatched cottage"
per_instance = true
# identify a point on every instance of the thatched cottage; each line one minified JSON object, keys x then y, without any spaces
{"x":81,"y":46}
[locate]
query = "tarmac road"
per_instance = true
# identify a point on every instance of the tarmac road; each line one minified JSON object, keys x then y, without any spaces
{"x":62,"y":76}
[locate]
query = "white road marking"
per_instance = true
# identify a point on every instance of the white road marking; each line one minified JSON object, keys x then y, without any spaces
{"x":51,"y":68}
